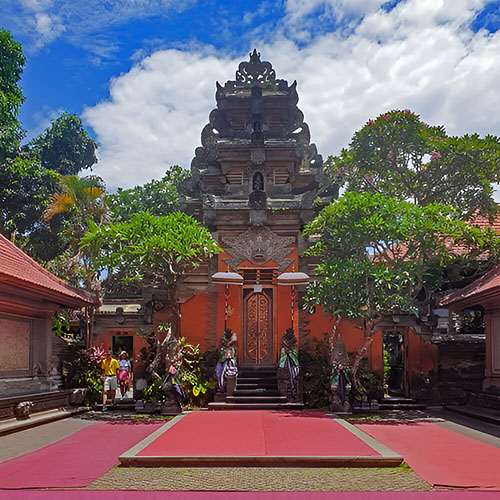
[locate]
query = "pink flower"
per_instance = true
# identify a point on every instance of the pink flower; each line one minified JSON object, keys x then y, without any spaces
{"x":369,"y":123}
{"x":435,"y":155}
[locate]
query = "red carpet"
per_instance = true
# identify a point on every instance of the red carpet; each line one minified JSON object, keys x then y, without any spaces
{"x":257,"y":433}
{"x":441,"y":456}
{"x":77,"y":460}
{"x":247,"y":495}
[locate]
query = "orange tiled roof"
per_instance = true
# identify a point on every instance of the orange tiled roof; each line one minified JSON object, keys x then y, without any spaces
{"x":18,"y":268}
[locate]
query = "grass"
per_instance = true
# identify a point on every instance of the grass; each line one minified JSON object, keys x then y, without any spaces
{"x":151,"y":416}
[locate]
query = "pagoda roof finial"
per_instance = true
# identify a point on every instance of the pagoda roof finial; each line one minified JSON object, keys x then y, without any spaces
{"x":255,"y":71}
{"x":254,"y":57}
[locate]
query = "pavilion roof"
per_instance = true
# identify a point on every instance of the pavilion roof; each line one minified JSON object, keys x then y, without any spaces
{"x":484,"y":288}
{"x":18,"y":269}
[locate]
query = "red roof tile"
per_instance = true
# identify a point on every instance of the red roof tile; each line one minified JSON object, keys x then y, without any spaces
{"x":475,"y":292}
{"x":17,"y":268}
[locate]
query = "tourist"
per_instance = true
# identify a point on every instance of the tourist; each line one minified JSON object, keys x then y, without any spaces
{"x":109,"y":369}
{"x":124,"y":373}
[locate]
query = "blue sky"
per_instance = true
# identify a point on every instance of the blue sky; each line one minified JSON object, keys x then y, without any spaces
{"x":141,"y":73}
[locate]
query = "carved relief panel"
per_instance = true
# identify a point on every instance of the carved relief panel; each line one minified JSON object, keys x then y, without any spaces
{"x":258,"y":328}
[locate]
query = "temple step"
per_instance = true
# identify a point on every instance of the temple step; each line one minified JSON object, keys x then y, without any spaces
{"x":257,"y":382}
{"x":255,"y":406}
{"x":256,"y":399}
{"x":261,"y":391}
{"x":255,"y":387}
{"x":400,"y":403}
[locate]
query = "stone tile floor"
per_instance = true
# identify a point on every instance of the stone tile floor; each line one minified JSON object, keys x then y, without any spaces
{"x":261,"y":479}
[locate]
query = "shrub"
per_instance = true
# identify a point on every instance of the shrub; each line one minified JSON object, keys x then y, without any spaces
{"x":84,"y":371}
{"x":316,"y":373}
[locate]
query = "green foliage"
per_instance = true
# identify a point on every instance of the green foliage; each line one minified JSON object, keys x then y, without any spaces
{"x":12,"y":62}
{"x":156,"y":249}
{"x":400,"y":156}
{"x":316,"y":369}
{"x":152,"y":392}
{"x":158,"y":197}
{"x":65,"y":147}
{"x":84,"y":371}
{"x":193,"y":375}
{"x":25,"y":187}
{"x":82,"y":202}
{"x":379,"y":253}
{"x":60,"y":324}
{"x":366,"y":384}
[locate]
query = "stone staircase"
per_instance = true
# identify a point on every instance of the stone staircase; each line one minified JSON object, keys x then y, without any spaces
{"x":126,"y":404}
{"x":480,"y":405}
{"x":399,"y":403}
{"x":256,"y":389}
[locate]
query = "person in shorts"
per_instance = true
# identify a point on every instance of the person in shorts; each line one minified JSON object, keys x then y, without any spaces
{"x":124,"y":373}
{"x":109,"y":369}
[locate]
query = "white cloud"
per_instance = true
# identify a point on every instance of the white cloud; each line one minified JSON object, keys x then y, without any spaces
{"x":48,"y":26}
{"x":84,"y":22}
{"x":420,"y":56}
{"x":155,"y":115}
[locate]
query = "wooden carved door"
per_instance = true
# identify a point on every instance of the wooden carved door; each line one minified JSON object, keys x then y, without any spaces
{"x":258,"y":328}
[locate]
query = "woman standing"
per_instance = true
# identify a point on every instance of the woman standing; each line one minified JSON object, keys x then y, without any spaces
{"x":124,"y":373}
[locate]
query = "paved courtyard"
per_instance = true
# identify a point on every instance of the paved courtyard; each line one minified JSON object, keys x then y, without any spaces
{"x":26,"y":444}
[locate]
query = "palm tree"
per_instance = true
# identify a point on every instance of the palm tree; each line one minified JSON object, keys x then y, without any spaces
{"x":84,"y":199}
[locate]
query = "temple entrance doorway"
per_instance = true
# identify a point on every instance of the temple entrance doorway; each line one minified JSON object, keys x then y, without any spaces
{"x":394,"y":363}
{"x":123,"y":343}
{"x":258,"y":329}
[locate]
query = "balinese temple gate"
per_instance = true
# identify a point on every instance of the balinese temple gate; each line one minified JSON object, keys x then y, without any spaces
{"x":255,"y":182}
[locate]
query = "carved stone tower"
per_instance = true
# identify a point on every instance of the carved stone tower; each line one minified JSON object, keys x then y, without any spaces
{"x":255,"y":181}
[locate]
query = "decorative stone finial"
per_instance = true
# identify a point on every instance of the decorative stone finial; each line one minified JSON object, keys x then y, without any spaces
{"x":255,"y":71}
{"x":254,"y":56}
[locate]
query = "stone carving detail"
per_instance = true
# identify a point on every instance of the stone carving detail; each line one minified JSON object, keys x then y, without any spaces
{"x":255,"y":82}
{"x":258,"y":156}
{"x":258,"y":245}
{"x":165,"y":367}
{"x":288,"y":366}
{"x":340,"y":385}
{"x":226,"y":369}
{"x":255,"y":71}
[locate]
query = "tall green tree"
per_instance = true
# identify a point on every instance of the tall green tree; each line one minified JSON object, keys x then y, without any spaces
{"x":65,"y":146}
{"x":158,"y":197}
{"x":12,"y":62}
{"x":156,"y":251}
{"x":399,"y":155}
{"x":381,"y":255}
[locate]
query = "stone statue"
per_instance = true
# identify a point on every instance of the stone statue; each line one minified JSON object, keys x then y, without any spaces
{"x":340,"y":385}
{"x":258,"y":182}
{"x":288,"y":366}
{"x":226,"y":369}
{"x":169,"y":356}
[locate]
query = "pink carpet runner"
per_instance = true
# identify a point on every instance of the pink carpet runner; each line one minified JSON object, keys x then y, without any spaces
{"x":77,"y":460}
{"x":257,"y":433}
{"x":441,"y":456}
